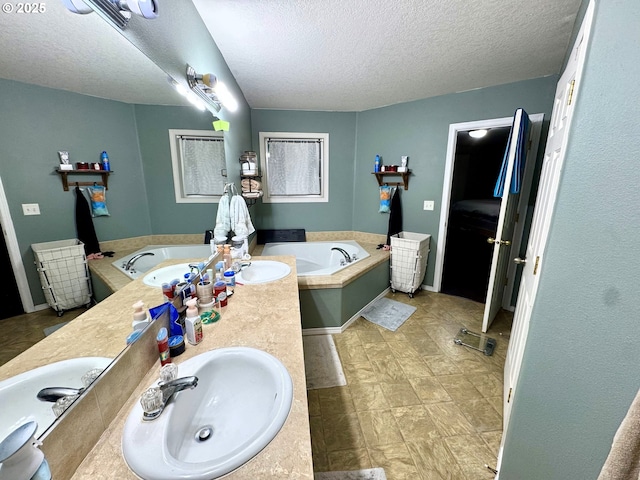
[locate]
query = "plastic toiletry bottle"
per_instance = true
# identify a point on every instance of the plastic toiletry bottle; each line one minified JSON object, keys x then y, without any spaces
{"x":226,"y":257}
{"x":220,"y":291}
{"x":230,"y":279}
{"x":105,"y":161}
{"x":193,"y":323}
{"x":376,"y":165}
{"x":140,"y":316}
{"x":163,"y":346}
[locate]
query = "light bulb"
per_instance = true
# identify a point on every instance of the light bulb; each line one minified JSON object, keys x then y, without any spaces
{"x":225,"y":96}
{"x":478,"y":133}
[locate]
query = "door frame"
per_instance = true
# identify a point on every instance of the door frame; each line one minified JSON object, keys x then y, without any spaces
{"x":14,"y":252}
{"x":454,"y":129}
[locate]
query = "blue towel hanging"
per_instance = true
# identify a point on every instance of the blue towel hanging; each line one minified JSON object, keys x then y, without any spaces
{"x":518,"y":163}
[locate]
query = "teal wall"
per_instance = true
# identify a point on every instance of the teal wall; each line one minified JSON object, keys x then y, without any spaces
{"x":35,"y":124}
{"x":153,"y":124}
{"x":418,"y":129}
{"x":334,"y":215}
{"x":580,"y":367}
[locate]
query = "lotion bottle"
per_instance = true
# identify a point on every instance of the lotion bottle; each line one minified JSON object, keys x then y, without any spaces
{"x":140,"y":316}
{"x":193,"y":323}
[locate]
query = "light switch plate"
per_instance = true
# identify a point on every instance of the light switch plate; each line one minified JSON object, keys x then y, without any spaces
{"x":31,"y":209}
{"x":429,"y":205}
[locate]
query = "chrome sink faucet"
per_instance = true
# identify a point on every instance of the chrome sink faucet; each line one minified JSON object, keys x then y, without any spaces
{"x":347,"y":258}
{"x":154,"y":400}
{"x":129,"y":265}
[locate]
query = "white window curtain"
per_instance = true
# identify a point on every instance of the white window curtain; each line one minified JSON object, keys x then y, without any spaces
{"x":203,"y":162}
{"x":294,"y":167}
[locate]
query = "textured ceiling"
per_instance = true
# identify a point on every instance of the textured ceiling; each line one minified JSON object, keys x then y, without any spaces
{"x":79,"y":53}
{"x":362,"y":54}
{"x":306,"y":54}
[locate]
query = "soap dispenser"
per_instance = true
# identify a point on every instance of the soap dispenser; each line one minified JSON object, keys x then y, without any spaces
{"x":193,"y":323}
{"x":20,"y":457}
{"x":140,"y":316}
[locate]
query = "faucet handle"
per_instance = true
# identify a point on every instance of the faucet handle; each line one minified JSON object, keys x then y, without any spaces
{"x":152,"y":401}
{"x":168,"y":372}
{"x":354,"y":257}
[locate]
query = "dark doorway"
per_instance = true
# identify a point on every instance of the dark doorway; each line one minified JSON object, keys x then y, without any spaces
{"x":10,"y":296}
{"x":473,"y":213}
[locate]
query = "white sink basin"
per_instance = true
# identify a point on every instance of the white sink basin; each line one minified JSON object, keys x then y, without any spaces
{"x":243,"y":396}
{"x":18,"y":395}
{"x":166,"y":274}
{"x":263,"y":271}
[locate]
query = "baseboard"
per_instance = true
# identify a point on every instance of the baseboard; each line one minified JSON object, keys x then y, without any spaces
{"x":336,"y":330}
{"x":321,"y":331}
{"x":428,"y":288}
{"x":42,"y":306}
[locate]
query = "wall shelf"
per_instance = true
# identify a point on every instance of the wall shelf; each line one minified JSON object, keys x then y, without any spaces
{"x":405,"y":178}
{"x":65,"y":180}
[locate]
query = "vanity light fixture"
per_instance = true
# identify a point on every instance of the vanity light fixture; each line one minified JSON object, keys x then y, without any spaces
{"x":478,"y":133}
{"x":189,"y":95}
{"x":117,"y":12}
{"x":210,"y":89}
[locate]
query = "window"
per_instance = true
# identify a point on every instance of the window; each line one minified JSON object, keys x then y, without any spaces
{"x":199,"y":165}
{"x":295,"y":167}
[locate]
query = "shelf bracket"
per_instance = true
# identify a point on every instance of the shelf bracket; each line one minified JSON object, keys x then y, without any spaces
{"x":404,"y":175}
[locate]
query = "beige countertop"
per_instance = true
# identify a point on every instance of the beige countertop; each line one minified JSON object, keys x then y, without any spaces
{"x":260,"y":316}
{"x":264,"y":316}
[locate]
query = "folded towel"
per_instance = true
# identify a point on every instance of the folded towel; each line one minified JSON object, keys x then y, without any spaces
{"x":249,"y":185}
{"x":253,"y":194}
{"x":223,"y":222}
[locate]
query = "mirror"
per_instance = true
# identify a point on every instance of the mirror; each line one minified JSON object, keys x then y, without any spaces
{"x":72,"y":52}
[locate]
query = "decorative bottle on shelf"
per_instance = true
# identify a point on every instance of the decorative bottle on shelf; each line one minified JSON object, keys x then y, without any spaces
{"x":105,"y":161}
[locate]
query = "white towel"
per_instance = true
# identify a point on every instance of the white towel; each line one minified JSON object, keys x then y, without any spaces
{"x":223,"y":223}
{"x":239,"y":215}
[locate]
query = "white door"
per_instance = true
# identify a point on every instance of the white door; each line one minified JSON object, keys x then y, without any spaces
{"x":504,"y":234}
{"x":565,"y":96}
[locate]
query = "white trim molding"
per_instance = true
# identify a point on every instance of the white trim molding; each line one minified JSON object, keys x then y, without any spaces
{"x":14,"y":253}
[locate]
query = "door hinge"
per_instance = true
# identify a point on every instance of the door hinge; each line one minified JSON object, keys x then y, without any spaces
{"x":517,"y":217}
{"x":571,"y":87}
{"x":509,"y":396}
{"x":535,"y":267}
{"x":506,"y":281}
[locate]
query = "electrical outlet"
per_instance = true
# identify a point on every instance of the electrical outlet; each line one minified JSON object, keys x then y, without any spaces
{"x":429,"y":205}
{"x":31,"y":209}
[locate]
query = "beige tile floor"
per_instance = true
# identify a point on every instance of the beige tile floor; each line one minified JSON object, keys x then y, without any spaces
{"x":415,"y":403}
{"x":21,"y":332}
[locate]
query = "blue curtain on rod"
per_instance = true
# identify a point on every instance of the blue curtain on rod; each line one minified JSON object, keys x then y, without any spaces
{"x":518,"y":164}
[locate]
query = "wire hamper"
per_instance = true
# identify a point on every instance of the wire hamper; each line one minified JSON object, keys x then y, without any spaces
{"x":409,"y":253}
{"x":64,"y":274}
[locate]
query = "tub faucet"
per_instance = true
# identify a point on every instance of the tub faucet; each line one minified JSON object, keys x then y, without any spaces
{"x":168,"y":390}
{"x":129,"y":265}
{"x":347,"y":258}
{"x":52,"y":394}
